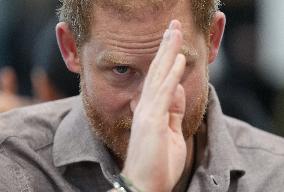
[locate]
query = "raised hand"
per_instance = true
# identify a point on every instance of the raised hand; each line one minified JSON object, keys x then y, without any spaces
{"x":157,"y":150}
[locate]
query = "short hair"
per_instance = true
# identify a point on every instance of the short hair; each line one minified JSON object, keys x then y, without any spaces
{"x":78,"y":13}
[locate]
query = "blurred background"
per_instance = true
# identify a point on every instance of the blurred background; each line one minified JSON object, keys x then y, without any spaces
{"x":248,"y":74}
{"x":31,"y":67}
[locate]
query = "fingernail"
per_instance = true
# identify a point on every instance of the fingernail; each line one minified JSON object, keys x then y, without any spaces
{"x":171,"y":26}
{"x":167,"y":35}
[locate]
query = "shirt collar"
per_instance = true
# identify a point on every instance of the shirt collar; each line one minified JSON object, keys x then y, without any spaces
{"x":75,"y":142}
{"x":222,"y":162}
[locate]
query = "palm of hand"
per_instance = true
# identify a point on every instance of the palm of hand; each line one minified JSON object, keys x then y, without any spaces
{"x":157,"y":150}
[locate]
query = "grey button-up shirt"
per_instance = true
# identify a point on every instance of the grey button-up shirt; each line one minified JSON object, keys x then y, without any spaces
{"x":50,"y":147}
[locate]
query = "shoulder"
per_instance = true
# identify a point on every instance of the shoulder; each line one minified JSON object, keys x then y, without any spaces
{"x":26,"y":140}
{"x":262,"y":155}
{"x":35,"y":124}
{"x":250,"y":138}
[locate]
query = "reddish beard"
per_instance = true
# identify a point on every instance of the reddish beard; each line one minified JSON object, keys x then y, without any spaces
{"x":193,"y":118}
{"x":115,"y":133}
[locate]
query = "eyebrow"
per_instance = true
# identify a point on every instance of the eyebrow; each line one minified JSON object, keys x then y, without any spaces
{"x":109,"y":57}
{"x":190,"y":54}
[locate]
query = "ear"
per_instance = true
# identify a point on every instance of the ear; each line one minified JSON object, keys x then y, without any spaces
{"x":68,"y":47}
{"x":216,"y":33}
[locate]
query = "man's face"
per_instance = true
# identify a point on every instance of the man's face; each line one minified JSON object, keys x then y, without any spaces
{"x":115,"y":62}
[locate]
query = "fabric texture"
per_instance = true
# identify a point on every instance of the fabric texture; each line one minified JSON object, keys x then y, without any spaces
{"x":51,"y":147}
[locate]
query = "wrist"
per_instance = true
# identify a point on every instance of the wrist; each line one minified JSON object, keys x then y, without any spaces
{"x":130,"y":185}
{"x":123,"y":184}
{"x":140,"y":184}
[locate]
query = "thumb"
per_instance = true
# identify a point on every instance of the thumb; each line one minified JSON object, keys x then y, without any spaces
{"x":177,"y":110}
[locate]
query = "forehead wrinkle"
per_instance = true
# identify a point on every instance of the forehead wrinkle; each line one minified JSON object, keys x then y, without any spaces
{"x":129,"y":35}
{"x":189,"y":52}
{"x":149,"y":45}
{"x":137,"y":52}
{"x":133,"y":47}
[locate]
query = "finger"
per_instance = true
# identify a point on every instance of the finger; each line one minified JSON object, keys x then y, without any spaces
{"x":167,"y":60}
{"x":177,"y":110}
{"x":174,"y":25}
{"x":157,"y":76}
{"x":166,"y":55}
{"x":169,"y":86}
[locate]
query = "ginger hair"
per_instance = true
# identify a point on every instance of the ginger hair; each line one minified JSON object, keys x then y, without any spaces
{"x":78,"y":13}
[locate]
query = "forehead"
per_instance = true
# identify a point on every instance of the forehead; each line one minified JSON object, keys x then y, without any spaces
{"x":142,"y":20}
{"x":140,"y":34}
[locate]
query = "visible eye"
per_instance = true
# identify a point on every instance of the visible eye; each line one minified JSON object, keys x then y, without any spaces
{"x":121,"y":70}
